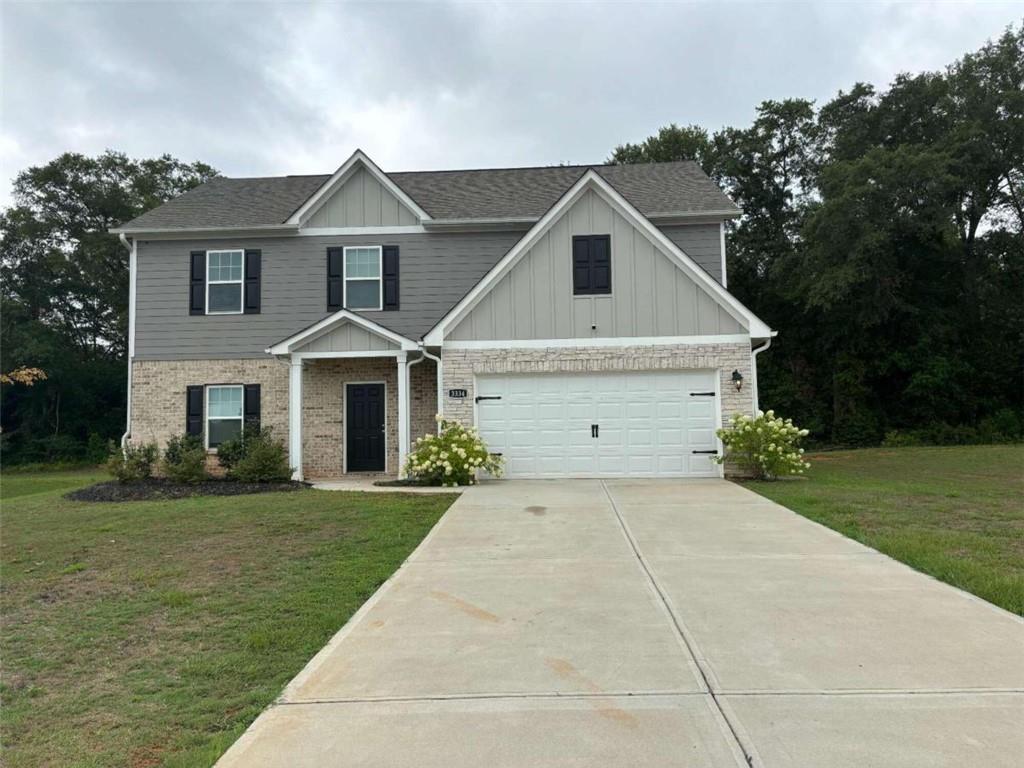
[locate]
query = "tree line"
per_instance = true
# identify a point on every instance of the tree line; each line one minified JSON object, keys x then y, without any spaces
{"x":881,"y":236}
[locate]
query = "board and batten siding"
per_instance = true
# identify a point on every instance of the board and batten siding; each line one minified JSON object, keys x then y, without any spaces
{"x":436,"y":271}
{"x":650,"y":295}
{"x":348,"y":338}
{"x":362,"y":201}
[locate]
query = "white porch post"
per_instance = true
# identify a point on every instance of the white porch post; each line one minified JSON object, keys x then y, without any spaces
{"x":403,"y":411}
{"x":295,"y":416}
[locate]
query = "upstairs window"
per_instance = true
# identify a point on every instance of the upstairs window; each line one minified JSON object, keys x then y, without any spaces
{"x":224,"y":271}
{"x":363,"y":284}
{"x":591,"y":265}
{"x":223,"y":414}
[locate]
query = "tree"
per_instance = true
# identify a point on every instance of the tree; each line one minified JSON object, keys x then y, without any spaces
{"x":882,"y":237}
{"x":64,"y":299}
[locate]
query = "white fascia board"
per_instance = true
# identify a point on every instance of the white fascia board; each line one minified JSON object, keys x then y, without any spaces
{"x":330,"y":322}
{"x":207,"y":233}
{"x":593,"y":180}
{"x":616,"y":342}
{"x":358,"y":158}
{"x":411,"y":229}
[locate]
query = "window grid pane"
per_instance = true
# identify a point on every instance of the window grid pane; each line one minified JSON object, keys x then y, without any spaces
{"x":224,"y":265}
{"x":362,"y":262}
{"x":225,"y":402}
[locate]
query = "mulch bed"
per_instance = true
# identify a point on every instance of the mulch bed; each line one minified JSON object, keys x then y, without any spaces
{"x":157,"y":488}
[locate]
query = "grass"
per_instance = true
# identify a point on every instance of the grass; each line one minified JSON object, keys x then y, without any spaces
{"x":956,"y":513}
{"x":147,"y":634}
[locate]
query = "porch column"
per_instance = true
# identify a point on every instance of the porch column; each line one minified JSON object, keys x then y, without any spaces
{"x":403,"y":411}
{"x":295,"y":417}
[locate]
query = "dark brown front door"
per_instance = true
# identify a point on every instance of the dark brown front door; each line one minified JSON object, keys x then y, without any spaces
{"x":364,"y":427}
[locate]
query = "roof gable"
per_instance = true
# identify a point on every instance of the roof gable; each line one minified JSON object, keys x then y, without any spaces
{"x":362,"y":200}
{"x":593,"y":181}
{"x":349,"y":182}
{"x":344,"y":331}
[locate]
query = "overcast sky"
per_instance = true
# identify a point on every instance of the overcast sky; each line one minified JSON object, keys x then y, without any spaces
{"x":265,"y":89}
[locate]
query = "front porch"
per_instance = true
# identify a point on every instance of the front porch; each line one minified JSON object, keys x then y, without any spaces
{"x":358,"y":395}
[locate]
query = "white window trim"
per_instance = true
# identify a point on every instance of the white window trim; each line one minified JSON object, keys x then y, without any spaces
{"x":206,"y":412}
{"x":241,"y":282}
{"x":380,"y":276}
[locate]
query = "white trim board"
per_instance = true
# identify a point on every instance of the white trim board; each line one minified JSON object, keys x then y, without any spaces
{"x":621,"y":342}
{"x":410,"y":229}
{"x":340,"y":176}
{"x":285,"y":346}
{"x":592,"y":180}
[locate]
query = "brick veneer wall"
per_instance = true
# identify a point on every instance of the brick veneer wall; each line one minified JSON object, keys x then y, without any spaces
{"x":158,"y":393}
{"x":460,"y":366}
{"x":158,"y":401}
{"x":423,"y":399}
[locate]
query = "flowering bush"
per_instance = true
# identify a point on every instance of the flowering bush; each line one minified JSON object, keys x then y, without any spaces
{"x":452,"y":457}
{"x":767,"y":446}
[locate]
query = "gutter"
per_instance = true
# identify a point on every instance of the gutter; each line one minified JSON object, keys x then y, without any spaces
{"x":440,"y":380}
{"x":753,"y":370}
{"x":132,"y":269}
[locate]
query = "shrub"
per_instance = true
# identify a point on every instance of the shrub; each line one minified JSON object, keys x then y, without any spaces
{"x":185,"y":459}
{"x":766,"y":446}
{"x":257,"y":458}
{"x":452,"y":457}
{"x":132,"y":464}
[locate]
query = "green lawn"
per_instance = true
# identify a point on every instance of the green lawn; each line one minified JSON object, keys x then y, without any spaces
{"x":152,"y":633}
{"x":956,"y":513}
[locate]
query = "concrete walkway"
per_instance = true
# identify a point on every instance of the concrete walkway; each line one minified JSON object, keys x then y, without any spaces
{"x":651,"y":623}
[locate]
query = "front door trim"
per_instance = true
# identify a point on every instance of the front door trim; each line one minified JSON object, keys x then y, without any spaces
{"x":344,"y":421}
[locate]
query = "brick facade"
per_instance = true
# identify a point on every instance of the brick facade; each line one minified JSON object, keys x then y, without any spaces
{"x":158,"y":401}
{"x":158,"y":398}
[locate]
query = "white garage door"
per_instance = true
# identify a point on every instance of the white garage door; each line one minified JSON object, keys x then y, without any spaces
{"x":643,"y":424}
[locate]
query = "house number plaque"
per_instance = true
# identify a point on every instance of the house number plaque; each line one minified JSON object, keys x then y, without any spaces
{"x":458,"y":394}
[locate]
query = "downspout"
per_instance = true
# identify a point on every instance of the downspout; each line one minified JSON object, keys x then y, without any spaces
{"x":132,"y":267}
{"x":753,"y":371}
{"x":440,"y":382}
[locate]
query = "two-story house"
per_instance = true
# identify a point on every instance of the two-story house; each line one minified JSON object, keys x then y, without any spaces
{"x":577,"y":315}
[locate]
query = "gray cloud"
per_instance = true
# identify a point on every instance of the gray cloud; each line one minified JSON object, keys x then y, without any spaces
{"x":293,"y":88}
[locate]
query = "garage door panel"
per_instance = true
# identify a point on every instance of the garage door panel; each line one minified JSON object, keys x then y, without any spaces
{"x":649,"y":424}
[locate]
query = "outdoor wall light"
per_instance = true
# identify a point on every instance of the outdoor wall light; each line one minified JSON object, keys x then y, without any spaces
{"x":737,"y":380}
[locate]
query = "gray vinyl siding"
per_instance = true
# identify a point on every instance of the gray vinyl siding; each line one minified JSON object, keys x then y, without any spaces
{"x":650,"y":295}
{"x":701,"y":242}
{"x":348,"y":338}
{"x":362,"y":201}
{"x":436,"y":271}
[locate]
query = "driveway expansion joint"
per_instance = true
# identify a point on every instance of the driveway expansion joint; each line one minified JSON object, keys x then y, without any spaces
{"x":735,"y":730}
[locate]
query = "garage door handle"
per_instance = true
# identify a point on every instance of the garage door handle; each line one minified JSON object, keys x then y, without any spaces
{"x":702,"y":394}
{"x":478,"y":398}
{"x":714,"y":452}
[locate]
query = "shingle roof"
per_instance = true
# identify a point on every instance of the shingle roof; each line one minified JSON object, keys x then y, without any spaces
{"x":499,"y":193}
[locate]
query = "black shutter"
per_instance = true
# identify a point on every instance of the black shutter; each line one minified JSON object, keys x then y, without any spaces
{"x":389,"y":272}
{"x":335,"y":277}
{"x":194,"y":411}
{"x":591,"y":264}
{"x":253,"y":269}
{"x":251,"y":407}
{"x":197,"y":284}
{"x":601,"y":264}
{"x":580,"y":265}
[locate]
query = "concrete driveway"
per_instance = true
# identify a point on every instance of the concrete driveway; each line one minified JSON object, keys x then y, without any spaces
{"x":651,"y":623}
